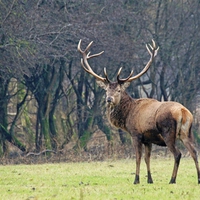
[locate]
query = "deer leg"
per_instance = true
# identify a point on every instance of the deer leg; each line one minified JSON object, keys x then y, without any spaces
{"x":177,"y":156}
{"x":138,"y":152}
{"x":194,"y":155}
{"x":148,"y":148}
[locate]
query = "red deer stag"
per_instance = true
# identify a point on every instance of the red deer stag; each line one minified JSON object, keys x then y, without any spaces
{"x":146,"y":120}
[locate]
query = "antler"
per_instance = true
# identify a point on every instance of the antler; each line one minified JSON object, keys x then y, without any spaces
{"x":153,"y":52}
{"x":85,"y":64}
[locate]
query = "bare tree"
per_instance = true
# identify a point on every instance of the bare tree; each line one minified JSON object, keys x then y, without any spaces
{"x":40,"y":47}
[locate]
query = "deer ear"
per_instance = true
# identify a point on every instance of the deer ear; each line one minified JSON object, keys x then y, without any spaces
{"x":125,"y":85}
{"x":102,"y":84}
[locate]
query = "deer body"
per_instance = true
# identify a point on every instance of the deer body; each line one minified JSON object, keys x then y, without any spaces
{"x":147,"y":117}
{"x":148,"y":121}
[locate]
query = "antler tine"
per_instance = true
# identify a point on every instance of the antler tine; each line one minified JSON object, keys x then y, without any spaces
{"x":89,"y":45}
{"x":119,"y":71}
{"x":121,"y":81}
{"x":86,"y":49}
{"x":153,"y":48}
{"x":106,"y":75}
{"x":79,"y":46}
{"x":94,"y":55}
{"x":153,"y":53}
{"x":84,"y":61}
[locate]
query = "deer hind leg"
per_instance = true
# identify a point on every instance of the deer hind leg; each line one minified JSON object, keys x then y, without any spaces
{"x":148,"y":148}
{"x":177,"y":158}
{"x":186,"y":137}
{"x":187,"y":141}
{"x":194,"y":155}
{"x":169,"y":138}
{"x":138,"y":151}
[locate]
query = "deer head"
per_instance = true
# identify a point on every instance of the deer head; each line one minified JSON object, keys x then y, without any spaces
{"x":114,"y":90}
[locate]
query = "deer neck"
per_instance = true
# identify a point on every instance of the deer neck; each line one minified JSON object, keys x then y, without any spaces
{"x":117,"y":114}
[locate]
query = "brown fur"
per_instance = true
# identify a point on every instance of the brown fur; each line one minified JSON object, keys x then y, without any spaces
{"x":150,"y":121}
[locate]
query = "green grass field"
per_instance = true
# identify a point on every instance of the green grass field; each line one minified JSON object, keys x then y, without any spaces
{"x":108,"y":180}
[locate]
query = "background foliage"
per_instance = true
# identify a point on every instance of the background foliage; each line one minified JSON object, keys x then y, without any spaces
{"x":47,"y":100}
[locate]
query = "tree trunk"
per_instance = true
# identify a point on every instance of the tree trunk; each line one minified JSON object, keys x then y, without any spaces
{"x":45,"y":131}
{"x":52,"y":127}
{"x":3,"y":114}
{"x":43,"y":121}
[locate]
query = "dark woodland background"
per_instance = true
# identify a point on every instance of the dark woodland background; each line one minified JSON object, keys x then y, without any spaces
{"x":49,"y":105}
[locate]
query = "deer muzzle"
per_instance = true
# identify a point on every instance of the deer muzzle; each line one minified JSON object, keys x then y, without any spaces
{"x":109,"y":100}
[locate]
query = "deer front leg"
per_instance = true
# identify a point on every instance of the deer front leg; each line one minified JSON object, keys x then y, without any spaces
{"x":148,"y":148}
{"x":138,"y":152}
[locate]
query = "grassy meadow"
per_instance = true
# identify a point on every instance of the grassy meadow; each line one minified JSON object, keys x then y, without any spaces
{"x":107,"y":180}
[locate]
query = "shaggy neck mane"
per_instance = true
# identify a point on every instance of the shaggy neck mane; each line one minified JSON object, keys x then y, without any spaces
{"x":117,"y":114}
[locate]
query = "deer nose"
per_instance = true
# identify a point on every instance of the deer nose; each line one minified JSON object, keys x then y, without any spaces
{"x":109,"y":99}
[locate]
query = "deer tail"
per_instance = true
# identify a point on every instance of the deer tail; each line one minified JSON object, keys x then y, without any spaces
{"x":184,"y":124}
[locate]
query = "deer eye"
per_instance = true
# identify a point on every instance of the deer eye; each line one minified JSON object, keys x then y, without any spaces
{"x":119,"y":90}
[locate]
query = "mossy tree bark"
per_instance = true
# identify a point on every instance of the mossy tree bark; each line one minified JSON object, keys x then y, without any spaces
{"x":5,"y":134}
{"x":47,"y":89}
